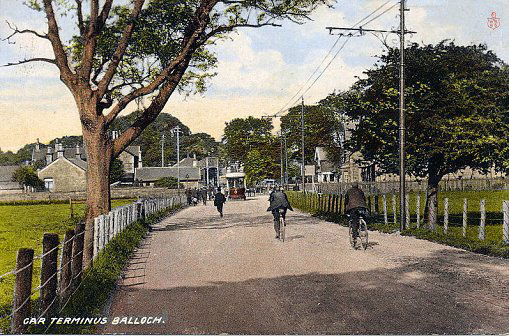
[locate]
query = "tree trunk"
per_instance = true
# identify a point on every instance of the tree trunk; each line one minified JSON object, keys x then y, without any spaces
{"x":432,"y":199}
{"x":99,"y":157}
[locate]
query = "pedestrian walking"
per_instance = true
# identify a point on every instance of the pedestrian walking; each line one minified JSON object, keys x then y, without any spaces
{"x":219,"y":200}
{"x":189,"y":196}
{"x":203,"y":193}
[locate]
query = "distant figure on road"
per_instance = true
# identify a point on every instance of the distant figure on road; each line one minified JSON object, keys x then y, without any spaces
{"x":219,"y":200}
{"x":189,"y":195}
{"x":203,"y":193}
{"x":195,"y":195}
{"x":355,"y":206}
{"x":278,"y":200}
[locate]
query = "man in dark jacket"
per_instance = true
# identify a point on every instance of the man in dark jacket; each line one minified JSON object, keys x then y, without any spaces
{"x":355,"y":206}
{"x":203,"y":193}
{"x":189,"y":196}
{"x":219,"y":200}
{"x":278,"y":200}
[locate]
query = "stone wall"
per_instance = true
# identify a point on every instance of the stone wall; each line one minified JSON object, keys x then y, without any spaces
{"x":80,"y":195}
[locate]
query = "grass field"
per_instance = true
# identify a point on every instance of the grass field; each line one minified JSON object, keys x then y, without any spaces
{"x":22,"y":226}
{"x":492,"y":244}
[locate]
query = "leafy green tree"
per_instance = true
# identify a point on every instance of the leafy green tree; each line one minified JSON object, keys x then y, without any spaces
{"x":27,"y":176}
{"x":241,"y":135}
{"x":457,"y":99}
{"x":201,"y":144}
{"x":137,"y":52}
{"x":261,"y":164}
{"x":116,"y":171}
{"x":321,"y":129}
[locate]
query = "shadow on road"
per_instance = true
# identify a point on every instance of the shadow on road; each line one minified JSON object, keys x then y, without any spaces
{"x":421,"y":296}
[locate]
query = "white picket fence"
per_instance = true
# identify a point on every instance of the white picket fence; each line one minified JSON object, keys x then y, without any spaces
{"x":106,"y":227}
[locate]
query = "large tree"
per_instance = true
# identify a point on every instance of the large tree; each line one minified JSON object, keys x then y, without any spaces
{"x":457,"y":101}
{"x":139,"y":49}
{"x":322,"y":128}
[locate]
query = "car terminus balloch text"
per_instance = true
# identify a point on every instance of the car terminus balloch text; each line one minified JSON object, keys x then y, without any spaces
{"x":96,"y":320}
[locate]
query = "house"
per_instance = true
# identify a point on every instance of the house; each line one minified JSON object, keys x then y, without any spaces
{"x":325,"y":169}
{"x":64,"y":175}
{"x":147,"y":176}
{"x":7,"y":185}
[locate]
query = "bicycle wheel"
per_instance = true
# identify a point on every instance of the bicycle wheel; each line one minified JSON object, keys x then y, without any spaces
{"x":352,"y":242}
{"x":363,"y":233}
{"x":282,"y":228}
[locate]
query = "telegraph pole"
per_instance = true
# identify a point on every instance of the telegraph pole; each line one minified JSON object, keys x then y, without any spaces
{"x":402,"y":169}
{"x":303,"y":174}
{"x":286,"y":160}
{"x":162,"y":150}
{"x":176,"y":130}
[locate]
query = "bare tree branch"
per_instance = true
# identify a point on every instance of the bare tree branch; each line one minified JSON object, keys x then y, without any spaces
{"x":35,"y":59}
{"x":81,"y":24}
{"x":89,"y":43}
{"x":15,"y":31}
{"x":58,"y":49}
{"x":225,"y":29}
{"x":120,"y":50}
{"x":105,"y":12}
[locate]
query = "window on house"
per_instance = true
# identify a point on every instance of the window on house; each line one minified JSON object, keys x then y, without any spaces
{"x":49,"y":184}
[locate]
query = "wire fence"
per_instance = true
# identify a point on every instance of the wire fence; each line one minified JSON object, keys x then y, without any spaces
{"x":475,"y":219}
{"x":61,"y":279}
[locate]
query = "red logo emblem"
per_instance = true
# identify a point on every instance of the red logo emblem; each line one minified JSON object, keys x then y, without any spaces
{"x":493,"y":21}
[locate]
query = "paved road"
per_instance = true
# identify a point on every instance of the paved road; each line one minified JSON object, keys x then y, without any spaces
{"x":208,"y":275}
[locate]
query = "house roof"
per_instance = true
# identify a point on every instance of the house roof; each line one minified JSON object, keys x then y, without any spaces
{"x":6,"y":173}
{"x":212,"y":162}
{"x":186,"y":162}
{"x":148,"y":174}
{"x":69,"y":152}
{"x":320,"y":154}
{"x":80,"y":163}
{"x":133,"y":150}
{"x":76,"y":162}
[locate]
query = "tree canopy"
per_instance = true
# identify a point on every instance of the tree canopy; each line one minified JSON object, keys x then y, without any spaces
{"x":322,"y":129}
{"x":456,"y":108}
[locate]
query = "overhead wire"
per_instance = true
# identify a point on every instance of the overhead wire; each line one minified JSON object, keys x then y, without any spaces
{"x":291,"y":100}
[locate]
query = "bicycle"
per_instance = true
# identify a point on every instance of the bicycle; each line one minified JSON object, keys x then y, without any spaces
{"x":282,"y":225}
{"x":362,"y":232}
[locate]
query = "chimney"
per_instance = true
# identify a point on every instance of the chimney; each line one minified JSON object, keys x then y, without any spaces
{"x":78,"y":151}
{"x":49,"y":156}
{"x":56,"y":146}
{"x":60,"y":152}
{"x":37,"y":145}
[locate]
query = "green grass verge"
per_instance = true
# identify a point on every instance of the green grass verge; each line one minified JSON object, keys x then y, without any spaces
{"x":491,"y":245}
{"x":99,"y":281}
{"x":23,"y":227}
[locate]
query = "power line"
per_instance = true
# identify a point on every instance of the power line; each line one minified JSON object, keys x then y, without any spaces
{"x":328,"y":54}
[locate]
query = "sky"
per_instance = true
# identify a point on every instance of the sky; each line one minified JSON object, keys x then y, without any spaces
{"x":259,"y":70}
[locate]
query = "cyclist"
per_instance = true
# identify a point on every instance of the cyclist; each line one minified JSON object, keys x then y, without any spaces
{"x":355,"y":206}
{"x":278,"y":200}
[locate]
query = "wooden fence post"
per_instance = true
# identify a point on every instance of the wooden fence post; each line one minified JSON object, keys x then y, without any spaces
{"x":394,"y":215}
{"x":66,"y":272}
{"x":418,"y":209}
{"x":505,"y":230}
{"x":77,"y":254}
{"x":96,"y":236}
{"x":22,"y":306}
{"x":446,"y":215}
{"x":407,"y":210}
{"x":465,"y":210}
{"x":102,"y":232}
{"x":369,"y":204}
{"x":386,"y":219}
{"x":482,"y":224}
{"x":49,"y":279}
{"x":377,"y":207}
{"x":341,"y":203}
